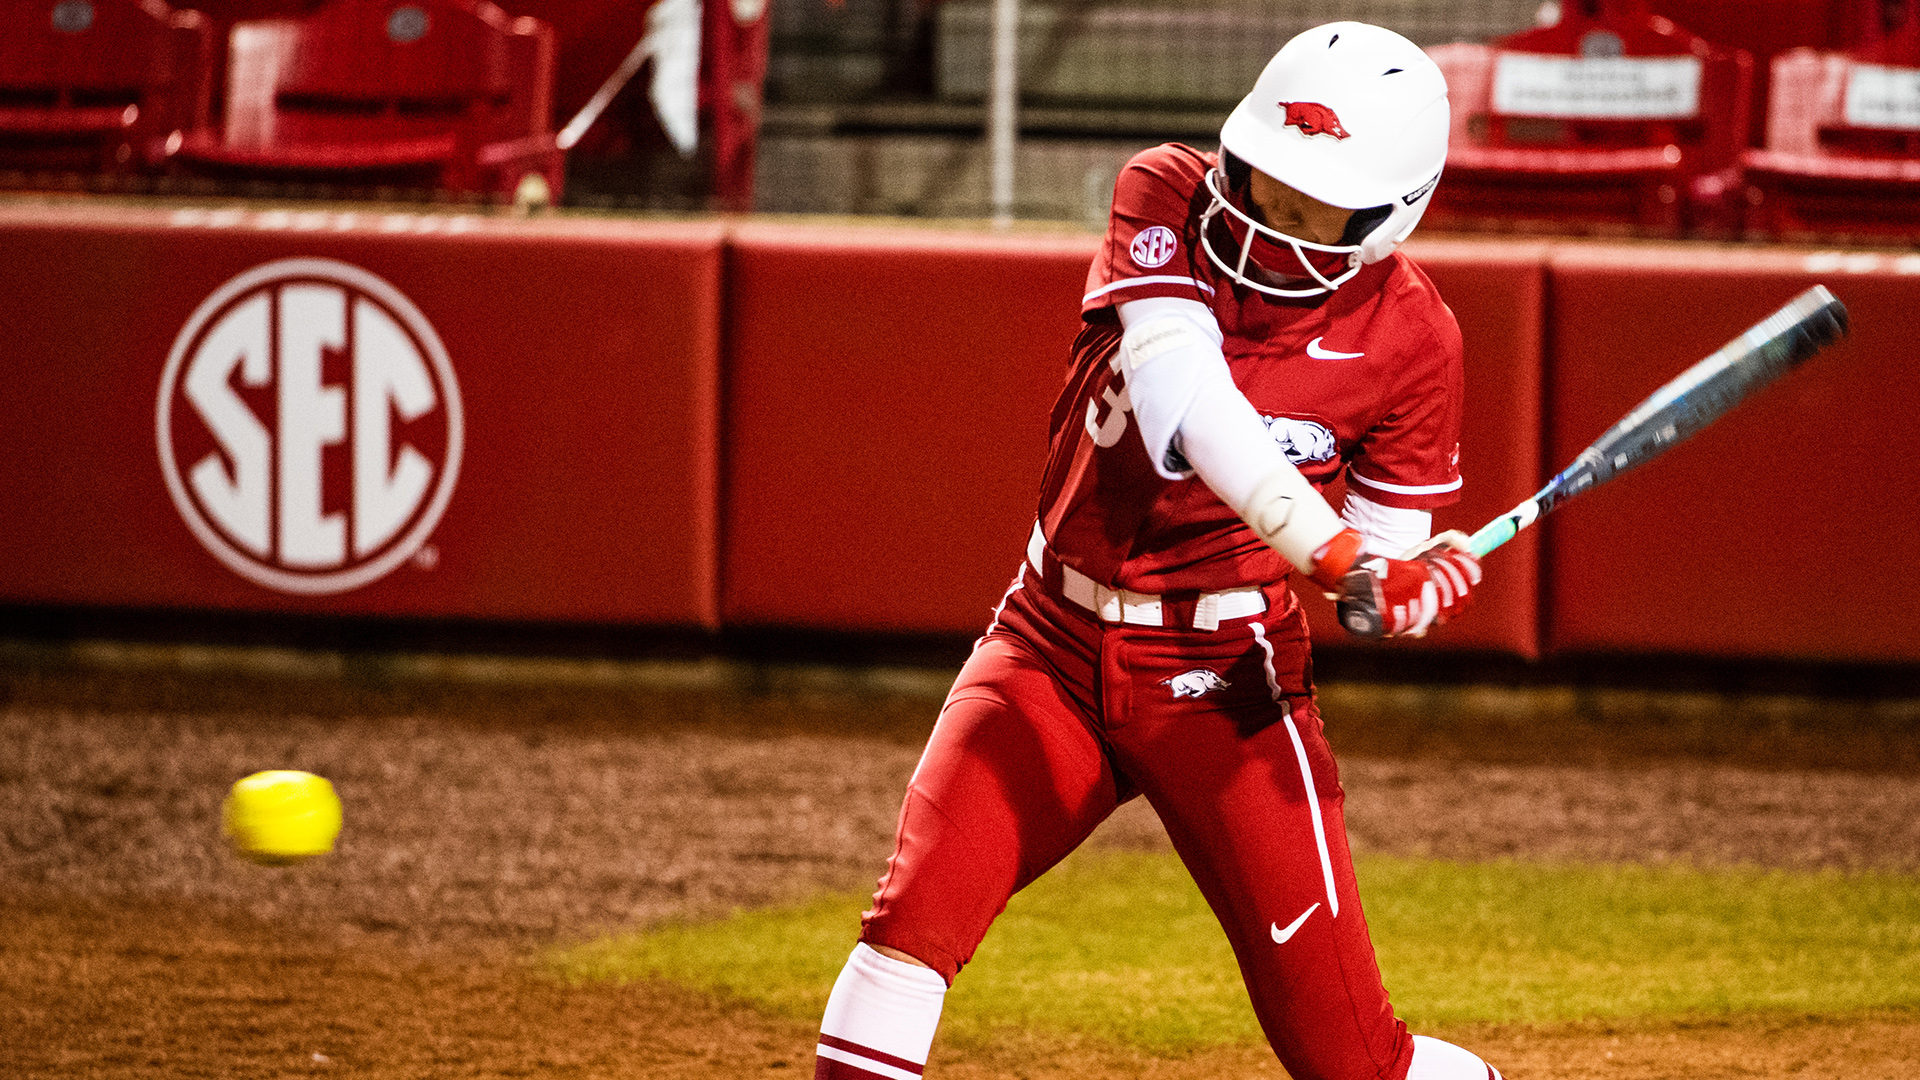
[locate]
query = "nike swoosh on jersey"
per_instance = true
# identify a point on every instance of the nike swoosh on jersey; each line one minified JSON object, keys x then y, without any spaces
{"x":1281,"y":937}
{"x":1318,"y":352}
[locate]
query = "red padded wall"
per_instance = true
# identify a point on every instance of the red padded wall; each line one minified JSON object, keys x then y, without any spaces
{"x":586,"y":354}
{"x":884,"y":422}
{"x":1786,"y":529}
{"x":886,"y":419}
{"x":1497,"y":290}
{"x":882,"y":467}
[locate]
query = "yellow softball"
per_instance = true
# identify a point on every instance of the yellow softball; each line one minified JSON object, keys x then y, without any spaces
{"x":281,"y":816}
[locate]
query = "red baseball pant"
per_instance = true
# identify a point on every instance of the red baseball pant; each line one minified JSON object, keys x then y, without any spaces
{"x":1057,"y":719}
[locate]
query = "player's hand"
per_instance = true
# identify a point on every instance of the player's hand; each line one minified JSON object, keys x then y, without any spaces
{"x":1382,"y":597}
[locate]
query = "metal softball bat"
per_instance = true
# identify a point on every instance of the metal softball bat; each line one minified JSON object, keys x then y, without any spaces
{"x":1690,"y":401}
{"x":1693,"y":399}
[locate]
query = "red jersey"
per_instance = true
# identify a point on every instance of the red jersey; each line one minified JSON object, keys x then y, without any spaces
{"x":1365,"y":381}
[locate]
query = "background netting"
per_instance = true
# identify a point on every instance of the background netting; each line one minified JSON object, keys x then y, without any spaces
{"x":878,"y":106}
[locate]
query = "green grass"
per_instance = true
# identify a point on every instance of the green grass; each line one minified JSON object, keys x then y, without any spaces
{"x":1120,"y":946}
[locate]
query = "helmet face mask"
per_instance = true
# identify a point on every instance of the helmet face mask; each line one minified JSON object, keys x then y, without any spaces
{"x":1351,"y":115}
{"x":1265,"y":259}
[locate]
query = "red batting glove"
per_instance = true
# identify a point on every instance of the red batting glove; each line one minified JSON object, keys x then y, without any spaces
{"x":1382,"y":597}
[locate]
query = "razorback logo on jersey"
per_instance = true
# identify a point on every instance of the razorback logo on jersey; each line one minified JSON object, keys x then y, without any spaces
{"x":1313,"y":118}
{"x":1195,"y":683}
{"x":1303,"y":440}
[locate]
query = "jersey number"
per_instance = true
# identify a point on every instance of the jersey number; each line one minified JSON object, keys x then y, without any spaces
{"x":1106,"y":432}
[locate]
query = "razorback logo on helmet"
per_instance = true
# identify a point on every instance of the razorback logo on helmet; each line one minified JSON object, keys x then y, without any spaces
{"x":1313,"y":118}
{"x":1195,"y":683}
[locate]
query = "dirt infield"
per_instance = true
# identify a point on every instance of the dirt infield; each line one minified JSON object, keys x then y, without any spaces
{"x":486,"y":819}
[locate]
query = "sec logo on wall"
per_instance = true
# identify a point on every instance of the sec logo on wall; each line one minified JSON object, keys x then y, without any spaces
{"x":309,"y":426}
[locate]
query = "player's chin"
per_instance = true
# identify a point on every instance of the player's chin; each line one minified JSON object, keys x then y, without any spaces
{"x":1315,"y":291}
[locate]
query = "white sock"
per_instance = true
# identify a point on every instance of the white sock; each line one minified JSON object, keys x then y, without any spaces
{"x":1436,"y":1060}
{"x":880,"y":1019}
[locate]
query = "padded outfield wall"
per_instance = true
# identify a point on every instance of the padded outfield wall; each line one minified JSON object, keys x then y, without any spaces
{"x":710,"y":425}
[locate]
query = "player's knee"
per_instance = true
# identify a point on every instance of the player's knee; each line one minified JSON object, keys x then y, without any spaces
{"x":912,"y":949}
{"x":898,"y":954}
{"x":1437,"y":1060}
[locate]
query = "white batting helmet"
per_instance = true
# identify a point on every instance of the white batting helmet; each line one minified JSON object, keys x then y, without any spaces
{"x":1352,"y":115}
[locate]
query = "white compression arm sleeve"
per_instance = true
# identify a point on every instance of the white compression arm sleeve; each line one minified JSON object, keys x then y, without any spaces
{"x":1169,"y":353}
{"x":1390,"y":530}
{"x":1178,"y":383}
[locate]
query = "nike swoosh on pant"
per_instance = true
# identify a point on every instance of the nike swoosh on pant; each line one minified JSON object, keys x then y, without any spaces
{"x":1281,"y":937}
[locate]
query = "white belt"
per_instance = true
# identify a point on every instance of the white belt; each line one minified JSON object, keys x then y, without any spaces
{"x":1141,"y":609}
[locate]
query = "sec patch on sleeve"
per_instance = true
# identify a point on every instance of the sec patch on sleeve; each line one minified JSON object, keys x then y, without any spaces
{"x":1154,"y":246}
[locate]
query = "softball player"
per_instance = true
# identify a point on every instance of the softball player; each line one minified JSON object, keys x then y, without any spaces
{"x":1249,"y":334}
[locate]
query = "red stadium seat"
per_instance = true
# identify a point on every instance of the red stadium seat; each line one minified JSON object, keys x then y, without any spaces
{"x":1612,"y":120}
{"x":228,"y":12}
{"x":223,"y":14}
{"x":98,"y":85}
{"x":1842,"y":154}
{"x":1763,"y":29}
{"x":1879,"y":30}
{"x":447,"y":94}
